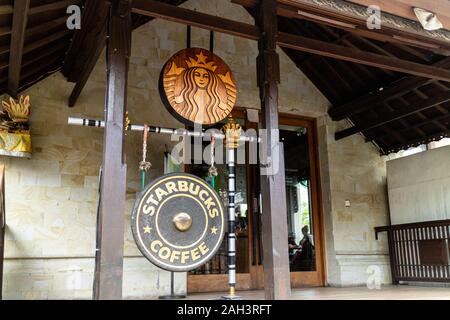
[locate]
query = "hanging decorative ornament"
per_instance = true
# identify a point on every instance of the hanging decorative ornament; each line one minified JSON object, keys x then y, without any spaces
{"x":232,"y":132}
{"x":15,"y":135}
{"x":145,"y":165}
{"x":127,"y":122}
{"x":427,"y":19}
{"x":212,"y":172}
{"x":197,"y":86}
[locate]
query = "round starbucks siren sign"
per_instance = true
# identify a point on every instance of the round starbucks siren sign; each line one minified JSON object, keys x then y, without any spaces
{"x":178,"y":222}
{"x":198,"y":87}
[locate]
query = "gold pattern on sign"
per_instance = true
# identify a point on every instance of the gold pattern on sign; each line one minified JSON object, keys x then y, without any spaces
{"x":199,"y":87}
{"x":214,"y":230}
{"x":147,"y":229}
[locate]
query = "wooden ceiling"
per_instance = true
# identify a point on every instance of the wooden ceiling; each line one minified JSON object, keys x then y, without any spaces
{"x":33,"y":41}
{"x":404,"y":8}
{"x":356,"y":69}
{"x":392,"y":110}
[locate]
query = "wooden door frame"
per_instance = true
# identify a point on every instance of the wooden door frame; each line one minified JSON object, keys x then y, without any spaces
{"x":317,"y":278}
{"x":219,"y":282}
{"x":255,"y":278}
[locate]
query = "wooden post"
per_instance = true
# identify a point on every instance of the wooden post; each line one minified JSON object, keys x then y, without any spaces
{"x":19,"y":25}
{"x":110,"y":233}
{"x":274,"y":223}
{"x":2,"y":226}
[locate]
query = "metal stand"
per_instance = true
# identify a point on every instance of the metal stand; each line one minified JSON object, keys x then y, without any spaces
{"x":232,"y":133}
{"x":172,"y":295}
{"x":231,"y":154}
{"x":160,"y":130}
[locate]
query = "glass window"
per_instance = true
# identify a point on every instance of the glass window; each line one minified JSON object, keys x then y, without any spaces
{"x":298,"y":199}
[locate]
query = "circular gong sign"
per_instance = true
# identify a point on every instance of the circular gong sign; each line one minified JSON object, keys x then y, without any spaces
{"x":178,"y":222}
{"x":198,"y":87}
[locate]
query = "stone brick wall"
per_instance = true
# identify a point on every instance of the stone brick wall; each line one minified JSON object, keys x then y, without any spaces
{"x":352,"y":170}
{"x":52,"y":199}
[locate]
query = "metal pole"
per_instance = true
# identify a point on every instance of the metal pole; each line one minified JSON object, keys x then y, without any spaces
{"x":232,"y":132}
{"x":231,"y":221}
{"x":172,"y":295}
{"x":153,"y":129}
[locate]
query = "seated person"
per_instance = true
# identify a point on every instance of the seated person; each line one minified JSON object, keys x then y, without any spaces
{"x":292,"y":245}
{"x":304,"y":260}
{"x":241,"y":224}
{"x":306,"y":236}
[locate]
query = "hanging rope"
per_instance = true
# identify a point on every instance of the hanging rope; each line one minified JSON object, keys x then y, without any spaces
{"x":144,"y":165}
{"x":212,"y":172}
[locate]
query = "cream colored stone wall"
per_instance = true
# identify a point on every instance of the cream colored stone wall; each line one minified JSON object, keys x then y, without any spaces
{"x":51,"y":199}
{"x":353,"y":170}
{"x":419,"y":186}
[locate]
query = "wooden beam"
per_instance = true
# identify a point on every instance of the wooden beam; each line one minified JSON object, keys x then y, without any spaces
{"x":335,"y":51}
{"x":6,"y":9}
{"x":352,"y":23}
{"x":110,"y":232}
{"x":414,"y":126}
{"x":95,"y":51}
{"x":416,"y":142}
{"x":88,"y":44}
{"x":85,"y":40}
{"x":84,"y":77}
{"x":404,"y":8}
{"x":421,"y":105}
{"x":47,"y":40}
{"x":19,"y":25}
{"x":392,"y":91}
{"x":173,"y":13}
{"x":169,"y":12}
{"x":45,"y":27}
{"x":58,"y":5}
{"x":277,"y":283}
{"x":2,"y":226}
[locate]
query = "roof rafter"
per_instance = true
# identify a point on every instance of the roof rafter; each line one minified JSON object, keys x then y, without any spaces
{"x":191,"y":17}
{"x":19,"y":25}
{"x":439,"y":118}
{"x":394,"y":90}
{"x":422,"y":104}
{"x":306,"y":10}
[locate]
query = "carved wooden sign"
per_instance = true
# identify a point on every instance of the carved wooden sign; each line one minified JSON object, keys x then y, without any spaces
{"x":198,"y":87}
{"x":178,"y":222}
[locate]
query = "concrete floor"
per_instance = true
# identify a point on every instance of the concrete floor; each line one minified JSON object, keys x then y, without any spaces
{"x":402,"y":292}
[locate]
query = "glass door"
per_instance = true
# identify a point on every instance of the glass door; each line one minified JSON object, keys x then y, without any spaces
{"x":303,"y":216}
{"x":213,"y":276}
{"x":302,"y":202}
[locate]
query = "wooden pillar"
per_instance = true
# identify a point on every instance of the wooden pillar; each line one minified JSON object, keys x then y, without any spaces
{"x":2,"y":226}
{"x":18,"y":30}
{"x":110,"y":233}
{"x":274,"y":222}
